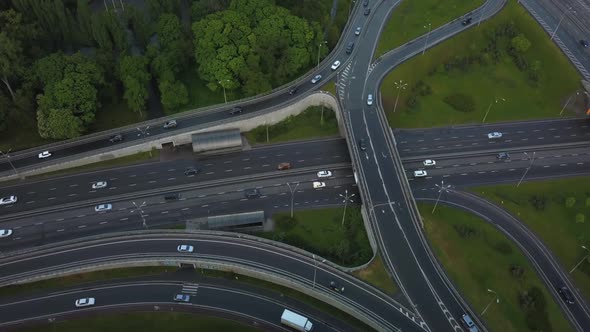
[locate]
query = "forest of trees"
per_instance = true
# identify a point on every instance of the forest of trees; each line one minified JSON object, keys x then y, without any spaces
{"x":61,"y":59}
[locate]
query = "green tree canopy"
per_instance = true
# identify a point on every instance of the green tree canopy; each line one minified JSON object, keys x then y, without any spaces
{"x":173,"y":94}
{"x":136,"y":78}
{"x":520,"y":43}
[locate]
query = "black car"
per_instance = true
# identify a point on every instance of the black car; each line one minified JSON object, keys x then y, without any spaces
{"x":116,"y":138}
{"x":362,"y":144}
{"x":191,"y":171}
{"x":293,"y":90}
{"x":367,"y":11}
{"x":236,"y":110}
{"x":503,"y":155}
{"x":584,"y":43}
{"x":172,"y":196}
{"x":336,"y":287}
{"x":366,"y":3}
{"x":466,"y":21}
{"x":566,"y":295}
{"x":252,"y":193}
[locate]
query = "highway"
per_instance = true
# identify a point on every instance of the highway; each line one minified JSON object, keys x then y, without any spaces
{"x":229,"y":299}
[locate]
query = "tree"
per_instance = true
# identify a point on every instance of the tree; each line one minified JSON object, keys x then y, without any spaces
{"x":173,"y":95}
{"x":135,"y":77}
{"x":520,"y":43}
{"x":580,"y":218}
{"x":174,"y":49}
{"x":10,"y":55}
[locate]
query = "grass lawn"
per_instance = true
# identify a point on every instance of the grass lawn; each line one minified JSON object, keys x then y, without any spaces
{"x":541,"y":205}
{"x":320,"y":231}
{"x":376,"y":275}
{"x":77,"y":279}
{"x":330,"y":87}
{"x":127,"y":160}
{"x":144,"y":321}
{"x":461,"y":72}
{"x":306,"y":125}
{"x":477,"y":257}
{"x":409,"y":19}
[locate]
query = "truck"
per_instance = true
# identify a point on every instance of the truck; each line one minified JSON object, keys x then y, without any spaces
{"x":296,"y":321}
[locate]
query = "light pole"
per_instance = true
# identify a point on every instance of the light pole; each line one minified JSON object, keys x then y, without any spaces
{"x":481,"y":15}
{"x":319,"y":49}
{"x":400,"y":85}
{"x":527,"y":169}
{"x":496,"y":297}
{"x":495,"y":101}
{"x":9,"y":161}
{"x":429,"y":27}
{"x":292,"y":194}
{"x":352,"y":3}
{"x":569,"y":9}
{"x":139,"y":208}
{"x":315,"y":268}
{"x":143,"y":132}
{"x":568,"y":101}
{"x":346,"y":200}
{"x":441,"y":188}
{"x":581,"y":260}
{"x":223,"y":86}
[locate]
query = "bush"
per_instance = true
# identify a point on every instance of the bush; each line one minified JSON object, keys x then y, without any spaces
{"x":461,"y":102}
{"x":588,"y":202}
{"x":516,"y":271}
{"x":503,"y":248}
{"x":412,"y":102}
{"x":570,"y":201}
{"x":538,"y":202}
{"x":580,"y":218}
{"x":465,"y":231}
{"x":532,"y":302}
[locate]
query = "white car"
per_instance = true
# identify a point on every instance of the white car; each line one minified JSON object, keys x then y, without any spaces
{"x":5,"y":232}
{"x":103,"y":207}
{"x":316,"y":79}
{"x":185,"y":248}
{"x":324,"y":174}
{"x":429,"y":162}
{"x":85,"y":302}
{"x":8,"y":200}
{"x":335,"y":65}
{"x":420,"y":173}
{"x":495,"y":134}
{"x":44,"y":154}
{"x":99,"y":185}
{"x":369,"y":99}
{"x":357,"y":31}
{"x":317,"y":185}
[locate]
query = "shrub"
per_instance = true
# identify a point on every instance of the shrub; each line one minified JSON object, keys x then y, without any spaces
{"x":588,"y":202}
{"x":580,"y":218}
{"x":412,"y":102}
{"x":465,"y":231}
{"x":502,"y":247}
{"x":538,"y":202}
{"x":516,"y":271}
{"x":570,"y":201}
{"x":461,"y":102}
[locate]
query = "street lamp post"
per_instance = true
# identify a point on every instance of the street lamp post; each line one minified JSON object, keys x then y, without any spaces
{"x":441,"y":188}
{"x":569,"y":9}
{"x":481,"y":15}
{"x":139,"y":208}
{"x":581,"y":260}
{"x":292,"y":190}
{"x":496,"y":297}
{"x":315,"y":268}
{"x":143,"y":131}
{"x":352,"y":3}
{"x":223,"y":86}
{"x":346,"y":200}
{"x":319,"y":49}
{"x":400,"y":85}
{"x":527,"y":169}
{"x":495,"y":101}
{"x":429,"y":27}
{"x":9,"y":161}
{"x":568,"y":101}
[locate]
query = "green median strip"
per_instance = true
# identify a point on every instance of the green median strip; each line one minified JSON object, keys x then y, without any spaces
{"x":557,"y":212}
{"x":484,"y":264}
{"x":376,"y":275}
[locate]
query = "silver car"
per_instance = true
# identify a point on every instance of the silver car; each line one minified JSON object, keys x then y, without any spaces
{"x":103,"y":207}
{"x":316,"y":79}
{"x":357,"y":32}
{"x":8,"y":200}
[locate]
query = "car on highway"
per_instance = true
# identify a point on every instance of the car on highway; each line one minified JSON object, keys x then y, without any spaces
{"x":236,"y":110}
{"x":85,"y":302}
{"x":349,"y":47}
{"x":8,"y":200}
{"x":191,"y":171}
{"x":171,"y":196}
{"x":333,"y":285}
{"x":566,"y":295}
{"x":185,"y":248}
{"x":367,"y":11}
{"x":318,"y":184}
{"x":293,"y":90}
{"x":116,"y":138}
{"x":252,"y":193}
{"x":584,"y":43}
{"x":357,"y":32}
{"x":369,"y":99}
{"x":316,"y":79}
{"x":44,"y":154}
{"x":429,"y":162}
{"x":5,"y":233}
{"x":365,"y":3}
{"x":466,"y":21}
{"x":335,"y":65}
{"x":362,"y":144}
{"x":503,"y":155}
{"x":103,"y":207}
{"x":99,"y":185}
{"x":494,"y":134}
{"x":324,"y":174}
{"x":283,"y":166}
{"x":170,"y":124}
{"x":468,"y":322}
{"x":420,"y":173}
{"x":182,"y":298}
